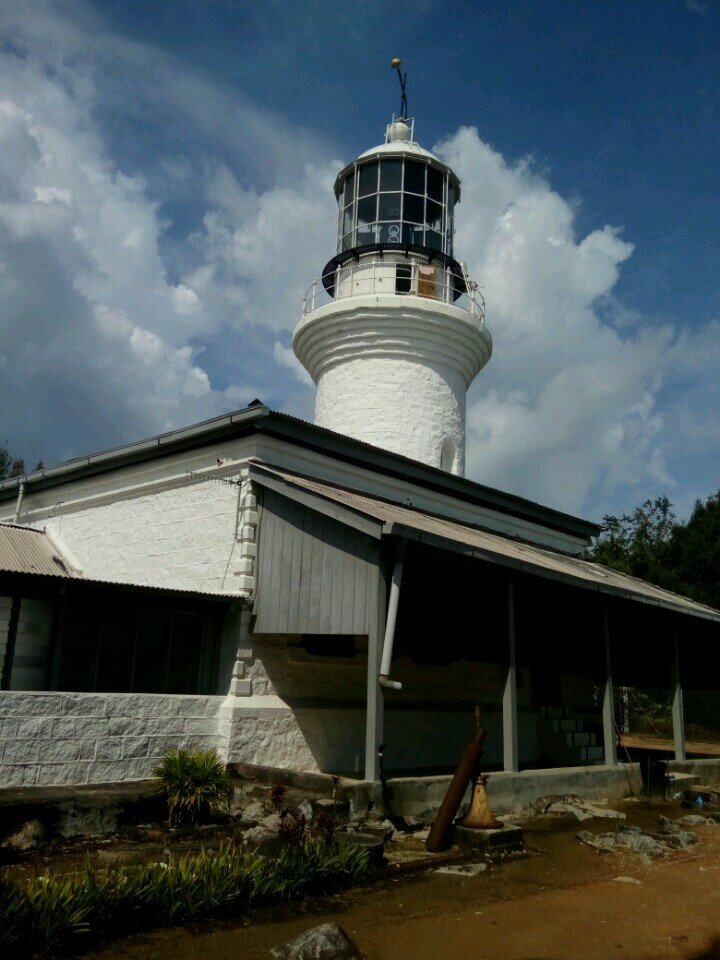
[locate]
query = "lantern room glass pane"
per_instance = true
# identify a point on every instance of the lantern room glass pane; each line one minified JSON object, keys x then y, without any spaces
{"x":347,"y":241}
{"x":368,"y":178}
{"x":433,"y":240}
{"x":434,"y":215}
{"x":348,"y":219}
{"x":367,"y":210}
{"x":414,"y":176}
{"x":366,"y":234}
{"x":452,"y":198}
{"x":414,"y":209}
{"x":391,"y":174}
{"x":435,"y":184}
{"x":389,"y":206}
{"x":349,"y":189}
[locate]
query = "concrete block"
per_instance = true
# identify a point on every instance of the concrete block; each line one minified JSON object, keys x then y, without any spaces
{"x":9,"y":728}
{"x":63,"y":728}
{"x":240,"y":687}
{"x":58,"y":751}
{"x":134,"y":747}
{"x":21,"y":751}
{"x":159,"y":746}
{"x":11,"y":775}
{"x":490,"y":842}
{"x":86,"y":749}
{"x":79,"y":705}
{"x":126,"y":726}
{"x":196,"y":726}
{"x":35,"y":727}
{"x":109,"y":748}
{"x":95,"y":727}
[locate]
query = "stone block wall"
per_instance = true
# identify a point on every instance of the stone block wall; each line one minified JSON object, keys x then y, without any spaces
{"x":51,"y":739}
{"x":186,"y":537}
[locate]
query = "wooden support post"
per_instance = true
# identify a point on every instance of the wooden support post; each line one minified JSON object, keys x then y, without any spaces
{"x":608,"y":705}
{"x":511,"y":760}
{"x":678,"y":713}
{"x":374,"y":715}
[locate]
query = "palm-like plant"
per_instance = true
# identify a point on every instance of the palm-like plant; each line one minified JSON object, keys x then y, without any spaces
{"x":193,"y":782}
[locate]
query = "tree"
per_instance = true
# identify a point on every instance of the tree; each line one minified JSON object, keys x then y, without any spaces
{"x":652,"y":544}
{"x":10,"y":466}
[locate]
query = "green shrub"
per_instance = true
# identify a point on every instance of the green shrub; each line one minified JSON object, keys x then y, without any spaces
{"x":56,"y":914}
{"x":193,"y":782}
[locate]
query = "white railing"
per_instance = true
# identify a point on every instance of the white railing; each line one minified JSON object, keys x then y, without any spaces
{"x":429,"y":281}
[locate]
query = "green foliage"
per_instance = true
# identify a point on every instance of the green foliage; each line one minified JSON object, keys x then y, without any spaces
{"x":193,"y":782}
{"x":651,"y":543}
{"x":62,"y":914}
{"x":10,"y":466}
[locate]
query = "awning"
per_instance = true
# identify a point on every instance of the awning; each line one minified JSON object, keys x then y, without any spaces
{"x":356,"y":508}
{"x":25,"y":550}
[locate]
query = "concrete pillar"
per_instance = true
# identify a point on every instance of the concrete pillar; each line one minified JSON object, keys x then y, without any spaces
{"x":608,"y":705}
{"x":374,"y":715}
{"x":678,"y":713}
{"x":511,"y":760}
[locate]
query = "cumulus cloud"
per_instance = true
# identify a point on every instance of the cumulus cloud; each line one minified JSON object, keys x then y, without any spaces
{"x":118,"y":320}
{"x":571,"y":408}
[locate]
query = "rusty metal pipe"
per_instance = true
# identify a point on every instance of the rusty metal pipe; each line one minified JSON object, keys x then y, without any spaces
{"x":467,"y":770}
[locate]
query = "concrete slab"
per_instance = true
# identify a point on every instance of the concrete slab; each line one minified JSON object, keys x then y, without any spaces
{"x":489,"y":842}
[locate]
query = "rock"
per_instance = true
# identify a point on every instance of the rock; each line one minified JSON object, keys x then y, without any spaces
{"x":410,"y":824}
{"x":669,"y":825}
{"x":264,"y":841}
{"x":423,"y":834}
{"x":305,"y":810}
{"x":273,"y":822}
{"x":326,"y":942}
{"x":678,"y":840}
{"x":693,"y":820}
{"x":463,"y":869}
{"x":583,"y":811}
{"x":29,"y":836}
{"x":254,"y":811}
{"x":629,"y":839}
{"x":379,"y":828}
{"x":374,"y":846}
{"x":625,"y":880}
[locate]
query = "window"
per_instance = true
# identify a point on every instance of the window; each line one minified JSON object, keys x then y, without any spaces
{"x":403,"y":278}
{"x":140,"y":648}
{"x":448,"y":456}
{"x":367,"y":179}
{"x":400,"y":200}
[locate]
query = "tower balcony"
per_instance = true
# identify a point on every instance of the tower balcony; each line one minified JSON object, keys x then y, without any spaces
{"x":400,"y":273}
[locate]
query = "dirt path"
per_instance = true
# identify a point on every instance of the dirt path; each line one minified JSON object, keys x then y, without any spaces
{"x":562,"y":904}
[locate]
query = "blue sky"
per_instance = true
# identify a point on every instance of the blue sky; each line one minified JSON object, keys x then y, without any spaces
{"x":166,"y":197}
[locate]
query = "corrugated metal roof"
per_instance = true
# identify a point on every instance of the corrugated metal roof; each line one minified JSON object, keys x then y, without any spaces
{"x":25,"y":550}
{"x":494,"y":547}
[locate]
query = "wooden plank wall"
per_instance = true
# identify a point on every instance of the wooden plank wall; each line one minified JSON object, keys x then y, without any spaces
{"x":315,"y":574}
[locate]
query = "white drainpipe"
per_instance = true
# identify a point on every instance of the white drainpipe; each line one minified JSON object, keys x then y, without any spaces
{"x":387,"y":653}
{"x":18,"y":502}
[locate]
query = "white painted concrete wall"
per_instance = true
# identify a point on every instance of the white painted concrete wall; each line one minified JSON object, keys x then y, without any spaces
{"x":50,"y":739}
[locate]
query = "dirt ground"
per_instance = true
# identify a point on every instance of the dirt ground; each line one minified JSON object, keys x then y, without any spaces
{"x":564,"y":902}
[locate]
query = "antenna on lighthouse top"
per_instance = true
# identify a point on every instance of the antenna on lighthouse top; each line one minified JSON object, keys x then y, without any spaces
{"x":396,"y":63}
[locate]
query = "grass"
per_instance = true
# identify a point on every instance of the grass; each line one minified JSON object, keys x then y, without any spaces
{"x":51,"y":915}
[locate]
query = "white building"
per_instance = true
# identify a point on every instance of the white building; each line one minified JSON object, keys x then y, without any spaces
{"x":298,"y":595}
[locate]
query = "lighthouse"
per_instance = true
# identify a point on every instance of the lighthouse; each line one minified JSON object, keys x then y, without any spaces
{"x":393,"y":333}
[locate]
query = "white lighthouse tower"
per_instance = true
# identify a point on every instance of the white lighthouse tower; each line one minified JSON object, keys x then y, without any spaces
{"x":403,"y":335}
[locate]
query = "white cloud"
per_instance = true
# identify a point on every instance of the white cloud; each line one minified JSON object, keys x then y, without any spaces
{"x":110,"y":330}
{"x":570,"y":409}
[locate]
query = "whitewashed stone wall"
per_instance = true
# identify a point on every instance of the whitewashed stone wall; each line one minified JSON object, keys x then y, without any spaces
{"x":406,"y":406}
{"x":393,"y":371}
{"x":188,"y":537}
{"x":49,"y":739}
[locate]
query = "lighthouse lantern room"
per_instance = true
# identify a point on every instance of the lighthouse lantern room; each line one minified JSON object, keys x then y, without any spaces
{"x":395,"y":348}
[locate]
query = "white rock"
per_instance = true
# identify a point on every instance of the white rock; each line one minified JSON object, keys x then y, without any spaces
{"x":463,"y":869}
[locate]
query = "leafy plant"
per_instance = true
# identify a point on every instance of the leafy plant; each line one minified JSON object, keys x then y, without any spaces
{"x":276,"y":795}
{"x":62,"y":913}
{"x":193,"y":782}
